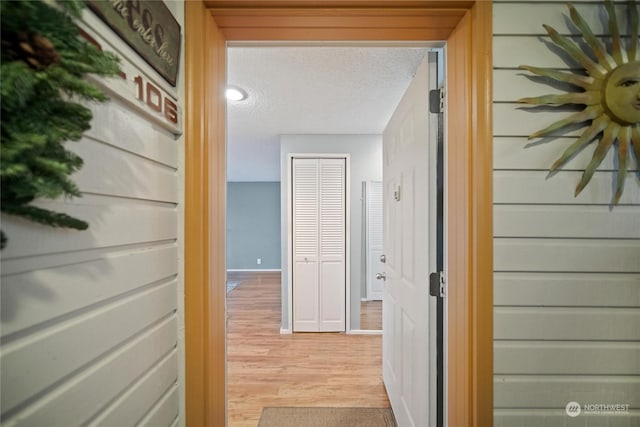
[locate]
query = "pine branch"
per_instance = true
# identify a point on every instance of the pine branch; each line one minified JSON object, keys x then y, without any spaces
{"x":46,"y":217}
{"x":43,"y":65}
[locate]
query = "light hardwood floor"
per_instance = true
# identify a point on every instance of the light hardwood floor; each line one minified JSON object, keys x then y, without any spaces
{"x":265,"y":368}
{"x":371,"y":315}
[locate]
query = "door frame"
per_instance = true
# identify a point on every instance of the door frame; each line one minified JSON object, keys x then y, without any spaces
{"x":347,"y":213}
{"x":466,"y":26}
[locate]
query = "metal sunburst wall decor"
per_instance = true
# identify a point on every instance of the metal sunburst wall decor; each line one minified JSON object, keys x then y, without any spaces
{"x":610,"y":94}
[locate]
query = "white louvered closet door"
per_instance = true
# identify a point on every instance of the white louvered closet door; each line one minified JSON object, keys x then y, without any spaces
{"x":332,"y":245}
{"x":306,"y":193}
{"x":319,"y":250}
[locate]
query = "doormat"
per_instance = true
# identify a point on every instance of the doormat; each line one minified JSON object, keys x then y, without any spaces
{"x":327,"y":417}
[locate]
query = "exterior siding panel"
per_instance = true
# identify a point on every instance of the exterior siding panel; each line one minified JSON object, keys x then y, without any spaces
{"x":567,"y":269}
{"x":92,"y":320}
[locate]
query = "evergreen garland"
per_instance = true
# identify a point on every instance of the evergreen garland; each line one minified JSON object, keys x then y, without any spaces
{"x":42,"y":67}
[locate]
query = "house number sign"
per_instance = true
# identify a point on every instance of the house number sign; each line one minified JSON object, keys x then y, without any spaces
{"x":141,"y":93}
{"x":148,"y":27}
{"x":154,"y":98}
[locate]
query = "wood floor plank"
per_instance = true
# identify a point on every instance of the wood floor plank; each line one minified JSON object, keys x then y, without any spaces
{"x":266,"y":368}
{"x":371,"y":315}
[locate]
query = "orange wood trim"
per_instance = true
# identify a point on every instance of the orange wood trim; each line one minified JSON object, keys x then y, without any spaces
{"x":339,"y":14}
{"x":470,"y":216}
{"x":268,"y":5}
{"x":482,"y":214}
{"x":216,"y":133}
{"x":333,"y":34}
{"x":470,"y":208}
{"x":196,"y":243}
{"x":204,"y":303}
{"x":416,"y":21}
{"x":333,"y":24}
{"x":458,"y":240}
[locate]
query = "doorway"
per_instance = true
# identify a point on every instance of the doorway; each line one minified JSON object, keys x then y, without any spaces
{"x":258,"y":70}
{"x":310,"y":167}
{"x":299,"y":101}
{"x":467,"y":28}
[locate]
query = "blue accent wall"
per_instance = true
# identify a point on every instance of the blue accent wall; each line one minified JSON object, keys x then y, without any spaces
{"x":253,"y":225}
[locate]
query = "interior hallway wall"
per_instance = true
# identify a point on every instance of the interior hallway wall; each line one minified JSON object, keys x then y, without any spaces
{"x":253,"y":225}
{"x":567,"y":269}
{"x":365,"y":165}
{"x":92,"y":321}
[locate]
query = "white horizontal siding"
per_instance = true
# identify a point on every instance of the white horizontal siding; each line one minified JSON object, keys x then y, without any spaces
{"x":558,"y":418}
{"x":136,"y":136}
{"x":131,"y":405}
{"x":513,"y":119}
{"x":513,"y":51}
{"x":623,"y":222}
{"x":567,"y":269}
{"x":147,"y":222}
{"x":540,"y":51}
{"x":79,"y":287}
{"x":111,"y":171}
{"x":90,"y":322}
{"x":566,"y":289}
{"x":516,"y":84}
{"x":567,"y":255}
{"x":536,"y":187}
{"x":550,"y":13}
{"x":565,"y":358}
{"x":555,"y":391}
{"x":567,"y":324}
{"x":95,"y":388}
{"x":521,"y":153}
{"x":166,"y":409}
{"x":35,"y":362}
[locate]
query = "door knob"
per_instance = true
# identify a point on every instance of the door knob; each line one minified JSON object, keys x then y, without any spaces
{"x":383,"y":258}
{"x":381,"y":276}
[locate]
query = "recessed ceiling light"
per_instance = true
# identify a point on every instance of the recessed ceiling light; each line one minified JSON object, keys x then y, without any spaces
{"x":235,"y":94}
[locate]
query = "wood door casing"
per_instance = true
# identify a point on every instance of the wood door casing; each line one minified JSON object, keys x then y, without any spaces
{"x":204,"y":216}
{"x":467,"y":31}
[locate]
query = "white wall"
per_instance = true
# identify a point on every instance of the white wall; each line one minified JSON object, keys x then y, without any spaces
{"x":366,"y":165}
{"x":567,"y":270}
{"x":92,"y":321}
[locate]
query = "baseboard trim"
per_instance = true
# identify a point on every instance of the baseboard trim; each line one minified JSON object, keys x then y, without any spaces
{"x":253,"y":269}
{"x":364,"y":332}
{"x":284,"y":331}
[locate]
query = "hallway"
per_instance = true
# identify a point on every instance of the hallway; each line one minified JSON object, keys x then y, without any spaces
{"x":265,"y":368}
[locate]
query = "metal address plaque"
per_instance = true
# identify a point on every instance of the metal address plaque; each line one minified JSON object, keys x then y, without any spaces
{"x":148,"y":27}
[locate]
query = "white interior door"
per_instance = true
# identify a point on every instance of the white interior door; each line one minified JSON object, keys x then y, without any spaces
{"x":319,"y":244}
{"x":374,"y":246}
{"x":306,"y":245}
{"x":406,"y":305}
{"x":332,"y":245}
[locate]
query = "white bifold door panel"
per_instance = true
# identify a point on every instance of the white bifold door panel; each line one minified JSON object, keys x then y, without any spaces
{"x":319,"y":244}
{"x":374,"y":246}
{"x":407,"y":350}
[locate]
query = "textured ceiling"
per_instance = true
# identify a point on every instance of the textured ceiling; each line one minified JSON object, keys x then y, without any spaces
{"x":309,"y":90}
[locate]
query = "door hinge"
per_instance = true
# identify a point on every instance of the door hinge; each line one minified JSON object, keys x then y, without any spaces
{"x":437,"y":286}
{"x":436,"y":101}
